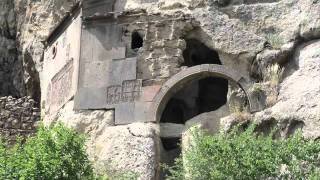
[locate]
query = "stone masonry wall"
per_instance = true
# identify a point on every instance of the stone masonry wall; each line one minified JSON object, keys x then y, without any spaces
{"x":18,"y":117}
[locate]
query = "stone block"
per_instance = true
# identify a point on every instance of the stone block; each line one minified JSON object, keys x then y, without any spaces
{"x":125,"y":113}
{"x":171,"y":130}
{"x":120,"y":70}
{"x":94,"y":74}
{"x":141,"y":111}
{"x":149,"y":92}
{"x":102,"y":42}
{"x":90,"y":98}
{"x":61,"y":88}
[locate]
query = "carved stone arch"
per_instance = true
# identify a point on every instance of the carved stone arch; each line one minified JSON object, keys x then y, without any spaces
{"x":176,"y":82}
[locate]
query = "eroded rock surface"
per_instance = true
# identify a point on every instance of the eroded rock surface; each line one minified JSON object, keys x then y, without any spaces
{"x":299,"y":95}
{"x":248,"y":35}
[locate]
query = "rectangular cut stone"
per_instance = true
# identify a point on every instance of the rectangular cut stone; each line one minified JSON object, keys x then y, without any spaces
{"x":60,"y":90}
{"x":131,"y":90}
{"x":170,"y":130}
{"x":102,"y":61}
{"x":141,"y":111}
{"x":149,"y":92}
{"x":121,"y":70}
{"x":102,"y":42}
{"x":90,"y":98}
{"x":124,"y":113}
{"x":114,"y":94}
{"x":62,"y":52}
{"x":94,"y":74}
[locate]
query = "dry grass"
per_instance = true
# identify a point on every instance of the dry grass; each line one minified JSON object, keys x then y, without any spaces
{"x":273,"y":74}
{"x":275,"y":41}
{"x":268,"y":88}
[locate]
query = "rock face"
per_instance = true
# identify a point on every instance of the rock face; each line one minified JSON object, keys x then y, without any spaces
{"x":247,"y":36}
{"x":129,"y":148}
{"x":11,"y":81}
{"x":299,"y":96}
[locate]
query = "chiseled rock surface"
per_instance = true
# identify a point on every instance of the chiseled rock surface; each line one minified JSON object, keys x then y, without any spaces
{"x":248,"y":35}
{"x":241,"y":31}
{"x":299,"y":96}
{"x":34,"y":21}
{"x":129,"y":148}
{"x":210,"y":121}
{"x":120,"y":148}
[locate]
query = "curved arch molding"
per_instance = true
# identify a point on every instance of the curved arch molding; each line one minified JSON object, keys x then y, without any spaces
{"x":176,"y":82}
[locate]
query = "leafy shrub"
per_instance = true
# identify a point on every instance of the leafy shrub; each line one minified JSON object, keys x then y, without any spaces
{"x":54,"y":153}
{"x":106,"y":172}
{"x":247,"y":155}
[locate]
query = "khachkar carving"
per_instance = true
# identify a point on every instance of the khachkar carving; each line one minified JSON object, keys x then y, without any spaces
{"x":60,"y":88}
{"x":128,"y":92}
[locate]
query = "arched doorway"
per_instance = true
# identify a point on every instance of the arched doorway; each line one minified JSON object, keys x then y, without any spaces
{"x":180,"y":80}
{"x":169,"y":109}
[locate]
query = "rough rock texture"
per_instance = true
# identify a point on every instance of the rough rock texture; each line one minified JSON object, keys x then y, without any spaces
{"x":299,"y":96}
{"x":209,"y":121}
{"x":249,"y":35}
{"x":115,"y":148}
{"x":18,"y":117}
{"x":133,"y":149}
{"x":10,"y":68}
{"x":35,"y":20}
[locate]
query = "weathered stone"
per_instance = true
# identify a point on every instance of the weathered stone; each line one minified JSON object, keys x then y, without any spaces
{"x":209,"y":121}
{"x":194,"y":73}
{"x":90,"y":98}
{"x":14,"y":115}
{"x":125,"y":67}
{"x":296,"y":102}
{"x":134,"y":149}
{"x":169,"y":130}
{"x":125,"y":113}
{"x":248,"y":35}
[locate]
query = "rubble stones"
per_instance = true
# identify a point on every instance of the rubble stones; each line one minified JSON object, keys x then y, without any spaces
{"x":18,"y":117}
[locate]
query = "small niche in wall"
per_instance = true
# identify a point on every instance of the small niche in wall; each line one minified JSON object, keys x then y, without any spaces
{"x":136,"y":41}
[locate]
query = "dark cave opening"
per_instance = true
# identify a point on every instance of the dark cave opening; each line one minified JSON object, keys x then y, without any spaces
{"x":203,"y":94}
{"x":197,"y":53}
{"x":136,"y":40}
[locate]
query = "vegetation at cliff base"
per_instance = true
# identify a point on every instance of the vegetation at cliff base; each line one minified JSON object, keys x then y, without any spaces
{"x":54,"y":153}
{"x":247,"y":155}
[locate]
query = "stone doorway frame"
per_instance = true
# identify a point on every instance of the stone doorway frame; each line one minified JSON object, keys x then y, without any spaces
{"x":176,"y":82}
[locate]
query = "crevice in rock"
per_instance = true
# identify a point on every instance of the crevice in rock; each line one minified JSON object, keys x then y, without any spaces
{"x":266,"y":127}
{"x":33,"y":80}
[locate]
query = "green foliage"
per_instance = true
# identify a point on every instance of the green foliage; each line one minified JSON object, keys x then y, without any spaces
{"x":247,"y":155}
{"x":114,"y":174}
{"x":54,"y":153}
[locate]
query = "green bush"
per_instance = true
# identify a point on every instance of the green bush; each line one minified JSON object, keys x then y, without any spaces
{"x":54,"y":153}
{"x":247,"y":155}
